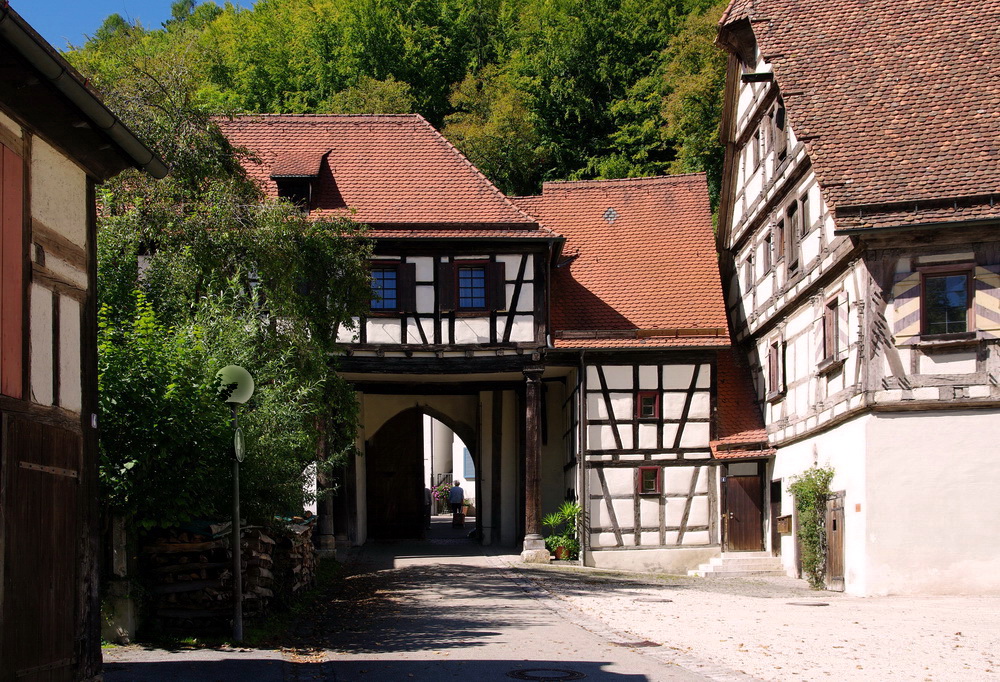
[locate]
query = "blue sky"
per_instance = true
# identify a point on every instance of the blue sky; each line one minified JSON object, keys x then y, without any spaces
{"x":68,"y":21}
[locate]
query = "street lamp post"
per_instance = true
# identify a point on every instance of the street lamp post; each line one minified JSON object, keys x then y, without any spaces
{"x":236,"y":387}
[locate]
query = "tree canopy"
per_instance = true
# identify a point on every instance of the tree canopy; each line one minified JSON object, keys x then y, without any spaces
{"x":530,"y":90}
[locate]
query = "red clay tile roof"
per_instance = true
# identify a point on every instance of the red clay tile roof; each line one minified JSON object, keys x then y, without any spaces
{"x":740,"y":424}
{"x":639,"y":255}
{"x":896,"y":101}
{"x":382,"y":170}
{"x":637,"y":342}
{"x":304,"y":165}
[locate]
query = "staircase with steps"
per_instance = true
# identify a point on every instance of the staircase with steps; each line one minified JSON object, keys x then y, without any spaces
{"x":740,"y":565}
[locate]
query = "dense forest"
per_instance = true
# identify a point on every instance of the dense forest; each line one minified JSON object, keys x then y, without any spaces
{"x":529,"y":90}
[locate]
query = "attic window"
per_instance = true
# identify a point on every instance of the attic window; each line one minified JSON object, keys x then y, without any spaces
{"x":296,"y":190}
{"x":611,"y":215}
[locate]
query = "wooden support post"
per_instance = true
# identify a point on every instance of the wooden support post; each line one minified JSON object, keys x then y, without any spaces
{"x":534,"y":546}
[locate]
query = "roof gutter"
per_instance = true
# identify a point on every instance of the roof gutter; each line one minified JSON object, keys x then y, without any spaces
{"x":39,"y":54}
{"x":861,"y":231}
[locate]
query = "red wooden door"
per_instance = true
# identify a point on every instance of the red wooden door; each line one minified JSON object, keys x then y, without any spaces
{"x":40,"y":497}
{"x":744,"y":516}
{"x":394,"y":477}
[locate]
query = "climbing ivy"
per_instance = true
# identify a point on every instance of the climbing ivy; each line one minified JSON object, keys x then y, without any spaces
{"x":811,"y":490}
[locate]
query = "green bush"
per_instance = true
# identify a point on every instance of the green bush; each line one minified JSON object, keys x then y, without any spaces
{"x":811,"y":490}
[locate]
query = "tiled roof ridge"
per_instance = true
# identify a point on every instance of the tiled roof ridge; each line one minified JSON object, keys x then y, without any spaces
{"x":448,"y":145}
{"x":735,"y":10}
{"x":568,"y":185}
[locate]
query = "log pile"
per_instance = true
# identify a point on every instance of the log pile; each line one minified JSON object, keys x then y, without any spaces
{"x":295,"y":560}
{"x":191,"y":574}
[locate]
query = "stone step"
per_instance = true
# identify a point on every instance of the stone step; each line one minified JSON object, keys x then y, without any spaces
{"x":735,"y":574}
{"x":762,"y":563}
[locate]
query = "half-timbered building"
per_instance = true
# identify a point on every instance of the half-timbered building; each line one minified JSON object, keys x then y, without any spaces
{"x":858,"y":227}
{"x":57,"y":141}
{"x":569,"y":340}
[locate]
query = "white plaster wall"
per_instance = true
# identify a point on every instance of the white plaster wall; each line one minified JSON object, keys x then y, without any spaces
{"x":472,"y":330}
{"x":523,"y":329}
{"x":933,"y":506}
{"x":674,"y":561}
{"x":843,"y":448}
{"x":677,"y":376}
{"x":383,"y":331}
{"x":40,"y":348}
{"x":70,"y":394}
{"x":423,"y":268}
{"x":345,"y":335}
{"x":425,"y":299}
{"x":948,"y":363}
{"x":58,"y":192}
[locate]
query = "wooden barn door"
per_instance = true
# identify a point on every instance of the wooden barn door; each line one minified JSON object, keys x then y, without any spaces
{"x":744,"y":513}
{"x":835,"y":542}
{"x":395,"y":472}
{"x":40,"y":501}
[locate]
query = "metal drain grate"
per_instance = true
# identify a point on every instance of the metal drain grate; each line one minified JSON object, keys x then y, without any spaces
{"x":809,"y":603}
{"x":546,"y":675}
{"x":637,"y":645}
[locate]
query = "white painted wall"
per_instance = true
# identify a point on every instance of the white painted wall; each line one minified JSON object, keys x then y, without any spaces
{"x":932,"y":526}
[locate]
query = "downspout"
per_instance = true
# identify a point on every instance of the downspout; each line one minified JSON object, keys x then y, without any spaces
{"x":31,"y":46}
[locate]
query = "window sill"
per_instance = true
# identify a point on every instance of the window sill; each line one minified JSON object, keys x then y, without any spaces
{"x":775,"y":396}
{"x":830,"y":365}
{"x":942,"y":341}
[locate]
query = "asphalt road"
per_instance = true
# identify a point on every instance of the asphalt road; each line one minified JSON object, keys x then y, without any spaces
{"x":431,"y":610}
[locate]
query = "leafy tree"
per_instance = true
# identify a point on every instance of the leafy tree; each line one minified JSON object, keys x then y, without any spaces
{"x":695,"y":73}
{"x":227,"y":278}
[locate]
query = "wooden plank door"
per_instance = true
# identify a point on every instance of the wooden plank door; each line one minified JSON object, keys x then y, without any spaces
{"x":744,"y":514}
{"x":395,"y":472}
{"x":40,"y":502}
{"x":835,"y":542}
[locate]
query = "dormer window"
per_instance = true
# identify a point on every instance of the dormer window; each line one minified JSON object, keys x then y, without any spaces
{"x":297,"y":191}
{"x":296,"y":174}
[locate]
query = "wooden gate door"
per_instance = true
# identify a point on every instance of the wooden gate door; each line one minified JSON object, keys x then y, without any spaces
{"x":40,"y":496}
{"x":744,"y":514}
{"x":835,"y":542}
{"x":395,"y":487}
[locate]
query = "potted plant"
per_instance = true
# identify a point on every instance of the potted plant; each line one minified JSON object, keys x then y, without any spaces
{"x":564,"y":523}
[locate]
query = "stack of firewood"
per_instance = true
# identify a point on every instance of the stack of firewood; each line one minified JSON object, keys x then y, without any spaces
{"x":191,"y":575}
{"x":257,"y":552}
{"x":295,"y":560}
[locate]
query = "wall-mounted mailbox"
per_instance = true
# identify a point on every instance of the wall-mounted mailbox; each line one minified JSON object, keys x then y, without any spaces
{"x":785,"y":524}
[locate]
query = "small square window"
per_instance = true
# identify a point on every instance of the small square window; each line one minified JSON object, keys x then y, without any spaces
{"x":649,"y":480}
{"x":647,"y":405}
{"x":385,"y":290}
{"x":945,"y":303}
{"x":472,"y":287}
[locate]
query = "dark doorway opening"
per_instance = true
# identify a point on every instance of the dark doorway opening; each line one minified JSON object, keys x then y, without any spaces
{"x":394,"y":478}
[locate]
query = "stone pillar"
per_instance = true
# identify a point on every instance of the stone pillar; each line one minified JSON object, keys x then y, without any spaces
{"x":534,"y":546}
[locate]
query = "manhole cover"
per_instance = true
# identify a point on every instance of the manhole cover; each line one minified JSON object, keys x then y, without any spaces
{"x":809,"y":603}
{"x":546,"y":675}
{"x":644,"y":643}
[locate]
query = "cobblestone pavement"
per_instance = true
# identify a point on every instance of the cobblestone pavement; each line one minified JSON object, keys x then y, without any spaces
{"x":444,"y":610}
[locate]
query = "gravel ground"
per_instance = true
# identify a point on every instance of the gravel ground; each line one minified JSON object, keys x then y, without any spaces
{"x":777,"y":629}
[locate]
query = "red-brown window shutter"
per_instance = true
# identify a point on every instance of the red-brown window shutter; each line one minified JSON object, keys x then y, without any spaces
{"x":446,"y":286}
{"x":496,"y":276}
{"x":407,"y":283}
{"x":11,"y":273}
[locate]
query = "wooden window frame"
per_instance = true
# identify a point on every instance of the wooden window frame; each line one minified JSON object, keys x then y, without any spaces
{"x":793,"y":234}
{"x":966,"y":269}
{"x":487,"y":302}
{"x":779,"y":240}
{"x":658,"y":480}
{"x":405,"y":288}
{"x":831,"y":328}
{"x":655,"y":395}
{"x":767,"y":252}
{"x":748,"y":273}
{"x":447,"y":282}
{"x":776,"y":370}
{"x":755,"y":140}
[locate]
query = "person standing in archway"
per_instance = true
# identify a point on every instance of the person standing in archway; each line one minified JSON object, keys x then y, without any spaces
{"x":455,"y":498}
